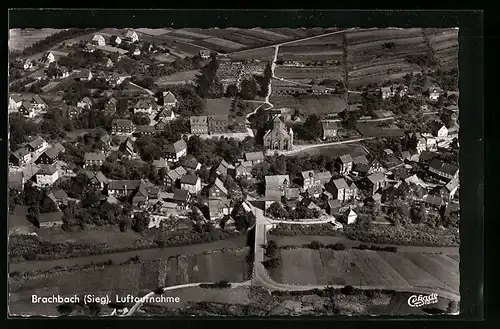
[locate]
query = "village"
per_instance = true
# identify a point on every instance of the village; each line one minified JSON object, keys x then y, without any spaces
{"x":94,"y":144}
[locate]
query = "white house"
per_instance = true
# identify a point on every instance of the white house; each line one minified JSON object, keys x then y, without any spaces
{"x":27,"y":109}
{"x":85,"y":103}
{"x":136,"y":52}
{"x":169,"y":99}
{"x":116,"y":40}
{"x":28,"y":64}
{"x":176,"y":151}
{"x":431,"y":144}
{"x":143,"y":106}
{"x":350,"y":216}
{"x":434,"y":93}
{"x":99,"y":40}
{"x":132,"y":36}
{"x":15,"y":102}
{"x":191,"y":183}
{"x":47,"y":175}
{"x":204,"y":54}
{"x":48,"y":58}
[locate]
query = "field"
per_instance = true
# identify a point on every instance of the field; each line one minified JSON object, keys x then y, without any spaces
{"x":375,"y":56}
{"x":366,"y":267}
{"x":320,"y":49}
{"x":261,"y":54}
{"x":305,"y":74}
{"x":320,"y":105}
{"x":217,"y":106}
{"x":444,"y":42}
{"x":378,"y":129}
{"x":178,"y":78}
{"x":354,"y":149}
{"x":22,"y":38}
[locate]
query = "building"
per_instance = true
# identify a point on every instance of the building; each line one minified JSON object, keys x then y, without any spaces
{"x":278,"y":183}
{"x":270,"y":197}
{"x":47,"y":58}
{"x":449,"y":191}
{"x":222,"y":169}
{"x":143,"y":106}
{"x":199,"y":125}
{"x":109,"y":63}
{"x":27,"y":109}
{"x":99,"y":40}
{"x":190,"y":163}
{"x":438,"y":129}
{"x":52,"y":219}
{"x":127,"y":147}
{"x":132,"y":36}
{"x":313,"y":178}
{"x":20,"y":157}
{"x":15,"y":102}
{"x":375,"y":182}
{"x":329,"y":129}
{"x":333,"y":206}
{"x":47,"y":175}
{"x":97,"y":179}
{"x":278,"y":138}
{"x":166,"y":115}
{"x":38,"y":103}
{"x":218,"y":190}
{"x":119,"y":188}
{"x":173,"y":176}
{"x":344,"y":164}
{"x":204,"y":53}
{"x":341,"y":190}
{"x":62,"y":72}
{"x":443,"y":169}
{"x":28,"y":64}
{"x":38,"y":145}
{"x":191,"y":183}
{"x":92,"y":159}
{"x":122,"y":127}
{"x":349,"y":216}
{"x":160,"y":163}
{"x":243,"y":169}
{"x":50,"y":155}
{"x":176,"y":150}
{"x":391,"y":91}
{"x":84,"y":75}
{"x":421,"y":145}
{"x":386,"y":92}
{"x":254,"y":157}
{"x":219,"y":208}
{"x":218,"y":124}
{"x":169,"y":100}
{"x":110,"y":106}
{"x":73,"y":112}
{"x":435,"y":93}
{"x":115,"y":40}
{"x":89,"y":48}
{"x":144,"y":130}
{"x":85,"y":103}
{"x":431,"y":144}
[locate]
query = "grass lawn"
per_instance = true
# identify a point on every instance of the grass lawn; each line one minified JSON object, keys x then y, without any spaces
{"x":217,"y":106}
{"x":378,"y":129}
{"x":178,"y":78}
{"x":367,"y":267}
{"x":310,"y":104}
{"x":355,"y":149}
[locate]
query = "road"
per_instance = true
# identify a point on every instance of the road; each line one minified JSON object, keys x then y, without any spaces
{"x":137,"y":86}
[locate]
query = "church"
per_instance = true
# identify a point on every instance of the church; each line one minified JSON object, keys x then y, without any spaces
{"x":278,"y":138}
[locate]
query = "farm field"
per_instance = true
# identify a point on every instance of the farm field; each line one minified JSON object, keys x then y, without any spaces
{"x":321,"y":105}
{"x":444,"y":42}
{"x":178,"y":78}
{"x":302,"y":32}
{"x":261,"y":54}
{"x":22,"y":38}
{"x":378,"y":129}
{"x":363,"y":36}
{"x":316,"y":73}
{"x":367,"y":267}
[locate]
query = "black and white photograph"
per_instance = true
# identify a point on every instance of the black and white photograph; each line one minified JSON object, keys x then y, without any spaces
{"x":233,"y":172}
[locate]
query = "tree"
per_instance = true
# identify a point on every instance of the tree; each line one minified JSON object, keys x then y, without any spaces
{"x":231,"y":90}
{"x":249,"y":89}
{"x":446,"y":117}
{"x":271,"y":249}
{"x":65,"y":309}
{"x":348,"y":119}
{"x":418,"y":214}
{"x":311,"y":129}
{"x":140,"y":222}
{"x":276,"y":210}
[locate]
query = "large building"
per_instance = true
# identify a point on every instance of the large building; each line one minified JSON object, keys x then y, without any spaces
{"x":212,"y":124}
{"x":278,"y":138}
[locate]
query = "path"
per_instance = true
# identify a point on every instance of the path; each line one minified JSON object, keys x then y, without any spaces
{"x":137,"y":86}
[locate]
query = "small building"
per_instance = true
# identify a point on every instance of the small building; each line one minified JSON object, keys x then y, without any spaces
{"x":122,"y":127}
{"x":85,"y":103}
{"x":132,"y":36}
{"x":74,"y":112}
{"x":218,"y":190}
{"x":333,"y":206}
{"x":99,"y":40}
{"x":277,"y":183}
{"x":349,"y":216}
{"x":38,"y":103}
{"x":28,"y":64}
{"x":190,"y":163}
{"x":435,"y":93}
{"x":160,"y":163}
{"x":49,"y":156}
{"x":243,"y":169}
{"x":84,"y":75}
{"x":27,"y":109}
{"x":110,"y":106}
{"x":199,"y":125}
{"x":176,"y":150}
{"x":47,"y":58}
{"x":144,"y":106}
{"x":144,"y":130}
{"x":254,"y":157}
{"x":97,"y":179}
{"x":219,"y":208}
{"x":59,"y":196}
{"x":329,"y":129}
{"x":166,"y":114}
{"x":52,"y":219}
{"x":375,"y":182}
{"x":438,"y":129}
{"x":62,"y":72}
{"x":191,"y":183}
{"x":115,"y":40}
{"x":20,"y":157}
{"x":313,"y":178}
{"x":169,"y":100}
{"x":222,"y":169}
{"x":15,"y":102}
{"x":127,"y":147}
{"x":341,"y":190}
{"x":204,"y":54}
{"x":173,"y":176}
{"x":181,"y":198}
{"x":38,"y":145}
{"x":443,"y":169}
{"x":344,"y":164}
{"x":122,"y":187}
{"x":92,"y":159}
{"x":47,"y":175}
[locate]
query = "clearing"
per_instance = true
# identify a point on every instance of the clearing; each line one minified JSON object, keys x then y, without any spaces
{"x":379,"y":129}
{"x":354,"y":149}
{"x":178,"y":78}
{"x":320,"y":105}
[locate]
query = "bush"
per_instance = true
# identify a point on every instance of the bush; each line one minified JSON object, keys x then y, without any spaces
{"x":316,"y":245}
{"x":347,"y":290}
{"x":339,"y":246}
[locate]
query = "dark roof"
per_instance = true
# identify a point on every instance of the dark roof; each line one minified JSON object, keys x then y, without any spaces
{"x":37,"y":99}
{"x":177,"y":146}
{"x":218,"y":183}
{"x":98,"y":175}
{"x":52,"y":152}
{"x":292,"y":193}
{"x":361,"y":168}
{"x":254,"y":156}
{"x":21,"y":152}
{"x":37,"y":142}
{"x":443,"y":167}
{"x":433,"y":200}
{"x":60,"y":194}
{"x":123,"y":122}
{"x":427,"y":155}
{"x":334,"y":204}
{"x":346,"y":158}
{"x":189,"y":179}
{"x":121,"y":184}
{"x":144,"y":128}
{"x":180,"y":195}
{"x":360,"y":159}
{"x":46,"y":170}
{"x":329,"y":125}
{"x":92,"y":156}
{"x":376,"y":177}
{"x":340,"y":183}
{"x":168,"y":97}
{"x":272,"y":195}
{"x":190,"y":162}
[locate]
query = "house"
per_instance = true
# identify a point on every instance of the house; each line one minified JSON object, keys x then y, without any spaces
{"x":143,"y":105}
{"x":51,"y":219}
{"x":386,"y":92}
{"x":136,"y":51}
{"x":431,"y":144}
{"x":97,"y":179}
{"x":218,"y":190}
{"x":49,"y":156}
{"x":132,"y":36}
{"x":16,"y":181}
{"x":27,"y":109}
{"x":433,"y":201}
{"x":28,"y":64}
{"x":199,"y":125}
{"x":106,"y":142}
{"x":341,"y":190}
{"x":176,"y":150}
{"x":344,"y":164}
{"x":443,"y":169}
{"x":99,"y":40}
{"x":190,"y":163}
{"x":109,"y":63}
{"x":219,"y":208}
{"x":84,"y":75}
{"x":270,"y":197}
{"x":204,"y":54}
{"x":254,"y":157}
{"x":89,"y":48}
{"x":191,"y":183}
{"x":115,"y":40}
{"x":333,"y":206}
{"x":38,"y":103}
{"x":349,"y":216}
{"x":85,"y":103}
{"x":278,"y":138}
{"x":222,"y":169}
{"x":421,"y":144}
{"x":278,"y":183}
{"x":122,"y":187}
{"x":110,"y":106}
{"x":243,"y":169}
{"x":92,"y":159}
{"x":73,"y":112}
{"x":144,"y":130}
{"x":169,"y":100}
{"x":122,"y":127}
{"x":174,"y":175}
{"x":435,"y":93}
{"x":127,"y":147}
{"x":38,"y":145}
{"x":313,"y":178}
{"x":427,"y":156}
{"x":59,"y":196}
{"x":438,"y":129}
{"x":47,"y":58}
{"x":15,"y":102}
{"x":20,"y":157}
{"x":47,"y":175}
{"x":63,"y":72}
{"x":314,"y":191}
{"x":160,"y":163}
{"x":375,"y":181}
{"x":218,"y":124}
{"x":166,"y":114}
{"x":309,"y":204}
{"x":161,"y":124}
{"x":181,"y":198}
{"x":329,"y":129}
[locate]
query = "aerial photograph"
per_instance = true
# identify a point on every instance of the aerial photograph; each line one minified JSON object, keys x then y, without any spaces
{"x":230,"y":172}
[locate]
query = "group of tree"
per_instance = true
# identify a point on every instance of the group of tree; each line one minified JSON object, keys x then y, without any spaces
{"x":348,"y":119}
{"x":208,"y":77}
{"x":20,"y":128}
{"x":423,"y":60}
{"x":310,"y":129}
{"x":264,"y":80}
{"x":80,"y":59}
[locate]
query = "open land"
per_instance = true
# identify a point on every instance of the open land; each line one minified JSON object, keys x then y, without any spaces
{"x":320,"y":105}
{"x":178,"y":78}
{"x":22,"y":38}
{"x":305,"y":74}
{"x":354,"y":149}
{"x":379,"y":129}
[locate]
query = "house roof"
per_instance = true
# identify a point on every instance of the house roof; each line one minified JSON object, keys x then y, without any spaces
{"x":177,"y":173}
{"x":168,"y":97}
{"x":16,"y":180}
{"x":405,"y":154}
{"x":142,"y":104}
{"x":130,"y":34}
{"x":433,"y":200}
{"x":87,"y":100}
{"x":189,"y":179}
{"x":361,"y":168}
{"x":52,"y":152}
{"x":122,"y":122}
{"x":37,"y":142}
{"x":30,"y":170}
{"x":444,"y":167}
{"x":334,"y":204}
{"x":291,"y":193}
{"x":97,"y":175}
{"x":346,"y":158}
{"x":38,"y":100}
{"x":177,"y":146}
{"x":276,"y":180}
{"x":323,"y":176}
{"x":350,"y":213}
{"x":376,"y":177}
{"x":21,"y":152}
{"x":307,"y":174}
{"x":180,"y":195}
{"x":340,"y":183}
{"x":60,"y":194}
{"x":165,"y":113}
{"x":452,"y":184}
{"x":92,"y":156}
{"x":254,"y":156}
{"x":112,"y":200}
{"x":272,"y":195}
{"x":112,"y":100}
{"x":58,"y":146}
{"x":50,"y":217}
{"x":114,"y":37}
{"x":160,"y":163}
{"x":427,"y":155}
{"x":435,"y":126}
{"x":16,"y":98}
{"x":201,"y":119}
{"x":218,"y":117}
{"x":360,"y":159}
{"x":27,"y":105}
{"x":84,"y":73}
{"x":144,"y":128}
{"x":329,"y":125}
{"x":245,"y":164}
{"x":123,"y":184}
{"x":314,"y":190}
{"x":47,"y":170}
{"x":190,"y":162}
{"x":97,"y":37}
{"x":220,"y":185}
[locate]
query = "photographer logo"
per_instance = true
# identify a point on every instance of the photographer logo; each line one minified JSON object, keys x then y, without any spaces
{"x":422,"y":300}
